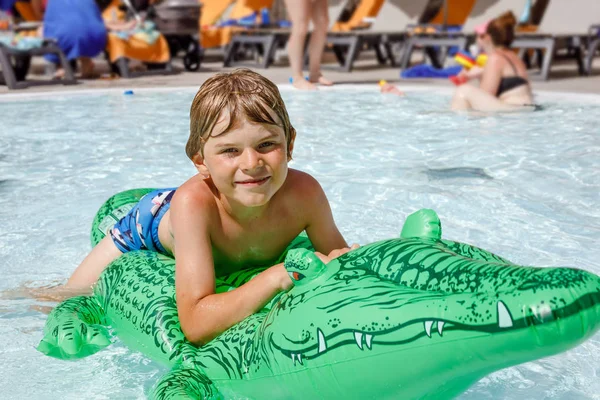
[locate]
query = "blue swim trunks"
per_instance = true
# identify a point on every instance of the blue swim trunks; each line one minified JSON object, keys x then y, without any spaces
{"x":138,"y":230}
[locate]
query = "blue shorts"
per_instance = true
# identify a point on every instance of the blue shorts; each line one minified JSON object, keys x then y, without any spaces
{"x":138,"y":230}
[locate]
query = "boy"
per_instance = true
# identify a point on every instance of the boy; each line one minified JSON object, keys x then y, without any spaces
{"x":242,"y":208}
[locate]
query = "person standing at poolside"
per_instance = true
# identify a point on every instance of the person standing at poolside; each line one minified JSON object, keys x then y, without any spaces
{"x":504,"y":85}
{"x":300,"y":13}
{"x":78,"y":28}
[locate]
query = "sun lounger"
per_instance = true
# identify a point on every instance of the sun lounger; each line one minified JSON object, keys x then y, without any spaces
{"x":593,"y":46}
{"x":221,"y":34}
{"x":15,"y":62}
{"x":482,"y":11}
{"x":564,"y":26}
{"x":454,"y":13}
{"x":16,"y":53}
{"x":391,"y":25}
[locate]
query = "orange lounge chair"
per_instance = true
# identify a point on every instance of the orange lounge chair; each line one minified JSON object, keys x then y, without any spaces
{"x":212,"y":36}
{"x":366,"y":11}
{"x":120,"y":51}
{"x":454,"y":13}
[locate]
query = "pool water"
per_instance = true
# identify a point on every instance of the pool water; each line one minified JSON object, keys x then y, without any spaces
{"x":523,"y":185}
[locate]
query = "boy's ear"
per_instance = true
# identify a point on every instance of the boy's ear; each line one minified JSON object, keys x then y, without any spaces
{"x":198,"y":161}
{"x":291,"y":145}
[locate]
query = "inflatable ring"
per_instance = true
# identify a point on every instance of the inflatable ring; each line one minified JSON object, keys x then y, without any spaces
{"x":412,"y":317}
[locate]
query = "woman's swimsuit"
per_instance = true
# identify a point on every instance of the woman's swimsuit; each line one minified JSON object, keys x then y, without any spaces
{"x":138,"y":230}
{"x":510,"y":82}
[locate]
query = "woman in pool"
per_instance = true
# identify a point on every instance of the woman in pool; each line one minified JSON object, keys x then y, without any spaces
{"x":503,"y":82}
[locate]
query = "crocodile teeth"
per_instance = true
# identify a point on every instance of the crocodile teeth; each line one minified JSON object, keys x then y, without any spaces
{"x":504,"y":318}
{"x":358,"y":337}
{"x":440,"y":326}
{"x":322,"y":344}
{"x":428,"y":325}
{"x":369,"y":340}
{"x":297,"y":357}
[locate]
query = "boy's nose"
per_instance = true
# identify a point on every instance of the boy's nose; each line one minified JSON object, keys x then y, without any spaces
{"x":250,"y":160}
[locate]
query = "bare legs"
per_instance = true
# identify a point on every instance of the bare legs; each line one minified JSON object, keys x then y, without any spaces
{"x":300,"y":11}
{"x":87,"y":69}
{"x":81,"y":281}
{"x":320,"y":18}
{"x":469,"y":97}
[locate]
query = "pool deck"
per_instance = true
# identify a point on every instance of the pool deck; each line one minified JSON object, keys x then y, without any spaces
{"x":563,"y":78}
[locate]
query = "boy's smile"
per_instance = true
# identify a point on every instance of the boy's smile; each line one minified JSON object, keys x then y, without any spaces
{"x":254,"y":182}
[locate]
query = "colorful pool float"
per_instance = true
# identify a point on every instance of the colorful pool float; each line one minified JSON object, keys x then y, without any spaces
{"x":412,"y":317}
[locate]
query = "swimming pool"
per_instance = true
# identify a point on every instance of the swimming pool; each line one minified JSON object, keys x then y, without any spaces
{"x":526,"y":186}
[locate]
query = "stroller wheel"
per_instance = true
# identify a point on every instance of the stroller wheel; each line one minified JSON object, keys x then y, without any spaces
{"x":191,"y":61}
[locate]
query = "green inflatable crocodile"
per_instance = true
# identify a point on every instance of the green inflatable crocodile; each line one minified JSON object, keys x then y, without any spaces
{"x":414,"y":317}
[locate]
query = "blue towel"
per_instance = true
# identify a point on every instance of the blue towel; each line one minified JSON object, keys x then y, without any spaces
{"x":6,"y":5}
{"x":427,"y":71}
{"x":77,"y":26}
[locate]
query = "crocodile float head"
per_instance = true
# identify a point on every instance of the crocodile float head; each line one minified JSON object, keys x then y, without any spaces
{"x":345,"y":319}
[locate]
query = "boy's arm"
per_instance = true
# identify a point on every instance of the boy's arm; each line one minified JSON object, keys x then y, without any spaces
{"x":321,"y":228}
{"x":202,"y":313}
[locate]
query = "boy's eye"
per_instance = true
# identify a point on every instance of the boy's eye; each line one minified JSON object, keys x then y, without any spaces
{"x":230,"y":150}
{"x":266,"y":144}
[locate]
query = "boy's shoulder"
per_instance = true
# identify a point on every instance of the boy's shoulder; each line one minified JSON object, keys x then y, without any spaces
{"x":302,"y":186}
{"x":300,"y":180}
{"x":195,"y":191}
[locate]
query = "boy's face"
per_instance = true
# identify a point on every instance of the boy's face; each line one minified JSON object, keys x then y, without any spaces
{"x":248,"y":164}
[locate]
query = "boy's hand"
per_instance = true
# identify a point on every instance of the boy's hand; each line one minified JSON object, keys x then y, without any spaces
{"x":281,"y":278}
{"x":335,"y":253}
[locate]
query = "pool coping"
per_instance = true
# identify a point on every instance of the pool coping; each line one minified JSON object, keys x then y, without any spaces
{"x":587,"y":97}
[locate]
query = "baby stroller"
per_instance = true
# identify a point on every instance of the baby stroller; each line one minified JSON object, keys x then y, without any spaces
{"x":179,"y":22}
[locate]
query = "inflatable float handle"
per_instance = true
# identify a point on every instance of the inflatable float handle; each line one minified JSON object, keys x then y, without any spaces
{"x":424,"y":224}
{"x":303,"y":266}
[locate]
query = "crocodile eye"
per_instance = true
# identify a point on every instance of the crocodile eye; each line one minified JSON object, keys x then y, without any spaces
{"x":297,"y":276}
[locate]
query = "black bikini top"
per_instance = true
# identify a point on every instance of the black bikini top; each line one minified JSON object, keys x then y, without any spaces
{"x":510,"y":82}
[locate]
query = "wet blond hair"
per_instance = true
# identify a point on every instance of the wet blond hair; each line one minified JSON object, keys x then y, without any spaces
{"x":245,"y":94}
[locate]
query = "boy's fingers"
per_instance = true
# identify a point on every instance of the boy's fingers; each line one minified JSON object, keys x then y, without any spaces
{"x":323,"y":257}
{"x":354,"y":246}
